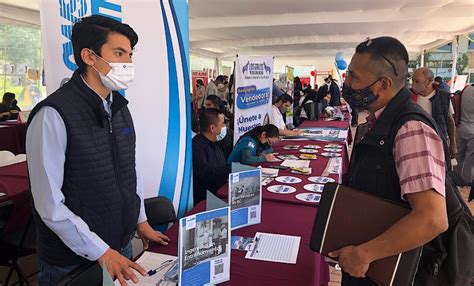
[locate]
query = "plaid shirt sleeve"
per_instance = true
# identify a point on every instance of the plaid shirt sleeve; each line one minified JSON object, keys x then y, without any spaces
{"x":419,"y":158}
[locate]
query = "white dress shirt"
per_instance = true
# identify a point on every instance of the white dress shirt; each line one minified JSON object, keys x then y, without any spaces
{"x":277,"y":118}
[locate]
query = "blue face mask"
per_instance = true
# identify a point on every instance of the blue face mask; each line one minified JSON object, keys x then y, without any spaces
{"x":222,"y":134}
{"x":359,"y":98}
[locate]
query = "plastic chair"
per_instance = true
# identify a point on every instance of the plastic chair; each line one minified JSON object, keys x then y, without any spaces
{"x":11,"y":252}
{"x":6,"y":157}
{"x":159,"y":211}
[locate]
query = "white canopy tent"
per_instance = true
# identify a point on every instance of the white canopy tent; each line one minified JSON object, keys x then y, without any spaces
{"x":303,"y":32}
{"x":312,"y":32}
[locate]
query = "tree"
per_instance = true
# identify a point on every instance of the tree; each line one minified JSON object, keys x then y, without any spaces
{"x":22,"y":45}
{"x":463,"y":61}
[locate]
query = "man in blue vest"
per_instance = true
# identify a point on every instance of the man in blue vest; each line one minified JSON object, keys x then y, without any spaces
{"x":81,"y":159}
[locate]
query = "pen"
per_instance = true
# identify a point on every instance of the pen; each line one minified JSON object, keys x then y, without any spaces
{"x":162,"y":265}
{"x":255,"y":247}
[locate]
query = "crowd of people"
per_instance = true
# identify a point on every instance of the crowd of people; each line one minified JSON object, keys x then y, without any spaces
{"x":403,"y":146}
{"x":416,"y":121}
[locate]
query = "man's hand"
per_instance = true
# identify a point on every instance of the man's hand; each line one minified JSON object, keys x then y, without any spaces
{"x":353,"y":260}
{"x":147,"y":233}
{"x":453,"y":149}
{"x":269,"y":157}
{"x":119,"y":266}
{"x":297,"y":132}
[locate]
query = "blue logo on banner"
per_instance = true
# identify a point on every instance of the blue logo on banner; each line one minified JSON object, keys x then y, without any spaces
{"x":250,"y":96}
{"x":72,"y":11}
{"x":256,"y":69}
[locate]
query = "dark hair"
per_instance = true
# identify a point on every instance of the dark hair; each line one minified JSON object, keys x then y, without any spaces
{"x":199,"y":81}
{"x":284,"y":98}
{"x":8,"y":98}
{"x":270,"y":130}
{"x":194,"y":122}
{"x":207,"y":118}
{"x":438,"y":79}
{"x":220,"y":78}
{"x":214,"y":99}
{"x":92,"y":32}
{"x":390,"y":54}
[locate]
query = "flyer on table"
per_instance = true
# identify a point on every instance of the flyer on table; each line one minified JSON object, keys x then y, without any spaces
{"x":204,"y":248}
{"x":245,"y":198}
{"x":253,"y":93}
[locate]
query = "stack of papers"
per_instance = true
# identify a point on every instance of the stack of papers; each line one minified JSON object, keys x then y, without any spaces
{"x":296,"y":163}
{"x":157,"y":265}
{"x":275,"y":248}
{"x":269,"y":172}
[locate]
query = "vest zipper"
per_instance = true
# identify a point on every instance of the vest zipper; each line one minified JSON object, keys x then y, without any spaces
{"x":116,"y":171}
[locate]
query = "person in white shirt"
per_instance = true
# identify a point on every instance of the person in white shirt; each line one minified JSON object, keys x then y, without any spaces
{"x":211,"y":88}
{"x":437,"y":103}
{"x":278,"y":109}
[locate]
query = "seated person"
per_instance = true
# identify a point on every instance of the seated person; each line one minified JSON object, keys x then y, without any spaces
{"x":255,"y":146}
{"x":278,"y":109}
{"x":9,"y":108}
{"x":227,"y":143}
{"x":210,"y":169}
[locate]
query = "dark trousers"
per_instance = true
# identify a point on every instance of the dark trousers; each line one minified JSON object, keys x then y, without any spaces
{"x":50,"y":275}
{"x":348,"y":280}
{"x":355,"y":116}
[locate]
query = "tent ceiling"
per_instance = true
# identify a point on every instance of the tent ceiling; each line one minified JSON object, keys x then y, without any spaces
{"x":313,"y":31}
{"x":303,"y":31}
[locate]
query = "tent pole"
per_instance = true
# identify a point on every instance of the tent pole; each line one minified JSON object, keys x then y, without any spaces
{"x":422,"y":61}
{"x":454,"y":51}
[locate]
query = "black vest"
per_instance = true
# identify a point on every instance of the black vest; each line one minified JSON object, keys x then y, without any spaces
{"x":372,"y":169}
{"x":99,"y":172}
{"x":440,"y":110}
{"x":372,"y":166}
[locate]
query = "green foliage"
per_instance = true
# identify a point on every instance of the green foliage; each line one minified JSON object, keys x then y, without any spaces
{"x":463,"y":61}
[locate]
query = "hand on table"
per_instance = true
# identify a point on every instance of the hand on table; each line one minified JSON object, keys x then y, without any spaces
{"x":119,"y":266}
{"x":146,"y":233}
{"x":269,"y":157}
{"x":297,"y":132}
{"x":353,"y":260}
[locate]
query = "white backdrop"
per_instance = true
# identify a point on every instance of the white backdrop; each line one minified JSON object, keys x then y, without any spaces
{"x":158,"y":97}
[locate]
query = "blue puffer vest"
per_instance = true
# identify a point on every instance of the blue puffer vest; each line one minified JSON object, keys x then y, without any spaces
{"x":99,"y":172}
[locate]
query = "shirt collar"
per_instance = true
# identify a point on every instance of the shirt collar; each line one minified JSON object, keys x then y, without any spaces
{"x":107,"y":102}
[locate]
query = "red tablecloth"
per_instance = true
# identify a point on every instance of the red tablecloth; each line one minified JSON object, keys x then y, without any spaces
{"x":13,"y":137}
{"x":346,"y":124}
{"x":15,"y":185}
{"x":317,"y":166}
{"x":310,"y":267}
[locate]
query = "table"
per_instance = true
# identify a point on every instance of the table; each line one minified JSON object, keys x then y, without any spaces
{"x":13,"y":137}
{"x":310,"y":267}
{"x":345,"y":124}
{"x":317,"y":166}
{"x":14,"y":184}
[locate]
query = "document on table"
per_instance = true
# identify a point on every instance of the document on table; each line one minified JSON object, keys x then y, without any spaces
{"x":152,"y":262}
{"x":296,"y":163}
{"x":275,"y":248}
{"x":269,"y":172}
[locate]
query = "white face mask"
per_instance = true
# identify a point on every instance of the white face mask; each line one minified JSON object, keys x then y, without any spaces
{"x":222,"y":134}
{"x":120,"y":76}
